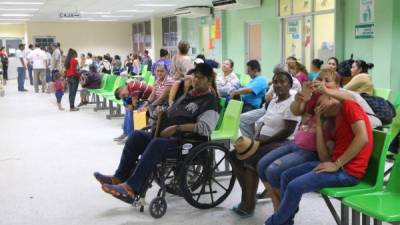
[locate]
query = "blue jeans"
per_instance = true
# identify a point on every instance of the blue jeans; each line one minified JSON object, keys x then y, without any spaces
{"x":133,"y":170}
{"x":30,"y":72}
{"x":48,"y":75}
{"x":127,"y":127}
{"x":273,"y":164}
{"x":59,"y":94}
{"x":300,"y":180}
{"x":21,"y":78}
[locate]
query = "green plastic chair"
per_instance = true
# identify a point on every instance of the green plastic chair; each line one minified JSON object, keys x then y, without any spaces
{"x":244,"y":80}
{"x":229,"y":129}
{"x":382,"y":92}
{"x":119,"y":82}
{"x":397,"y":101}
{"x":372,"y":181}
{"x":151,"y":80}
{"x":238,"y":75}
{"x":144,"y":68}
{"x":222,"y":105}
{"x":381,"y":205}
{"x":108,"y":86}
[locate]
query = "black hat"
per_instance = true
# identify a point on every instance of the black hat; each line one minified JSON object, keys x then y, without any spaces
{"x":204,"y":69}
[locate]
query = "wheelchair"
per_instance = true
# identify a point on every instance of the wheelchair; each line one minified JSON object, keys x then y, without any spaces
{"x":201,"y":174}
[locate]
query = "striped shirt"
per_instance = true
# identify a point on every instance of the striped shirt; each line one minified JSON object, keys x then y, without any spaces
{"x":160,"y":86}
{"x":139,"y":89}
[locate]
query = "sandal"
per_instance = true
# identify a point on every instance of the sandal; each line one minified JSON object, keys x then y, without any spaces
{"x":241,"y":213}
{"x":120,"y":191}
{"x":262,"y":195}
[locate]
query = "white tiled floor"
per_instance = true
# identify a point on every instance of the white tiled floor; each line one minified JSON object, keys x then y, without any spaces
{"x":47,"y":159}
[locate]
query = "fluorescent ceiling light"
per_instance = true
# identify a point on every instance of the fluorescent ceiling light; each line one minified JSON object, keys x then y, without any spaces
{"x":67,"y":18}
{"x":112,"y":16}
{"x":102,"y":20}
{"x":137,"y":10}
{"x":93,"y":13}
{"x":156,"y":5}
{"x":16,"y":15}
{"x":21,"y":3}
{"x":5,"y":9}
{"x":13,"y":19}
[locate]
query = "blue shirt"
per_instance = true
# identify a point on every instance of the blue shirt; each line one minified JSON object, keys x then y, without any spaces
{"x":258,"y":87}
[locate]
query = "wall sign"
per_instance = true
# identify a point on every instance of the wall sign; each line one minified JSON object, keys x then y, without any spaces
{"x":364,"y":31}
{"x":293,"y":27}
{"x":367,"y":11}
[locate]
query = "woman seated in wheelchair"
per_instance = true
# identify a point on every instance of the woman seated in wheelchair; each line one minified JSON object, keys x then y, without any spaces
{"x":195,"y":112}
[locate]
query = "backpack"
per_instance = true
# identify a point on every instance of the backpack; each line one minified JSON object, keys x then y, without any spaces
{"x":383,"y":109}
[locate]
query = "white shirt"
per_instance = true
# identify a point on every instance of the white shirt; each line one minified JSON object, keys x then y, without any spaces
{"x":275,"y":116}
{"x":38,"y":58}
{"x":88,"y":62}
{"x":20,"y":54}
{"x":226,"y":84}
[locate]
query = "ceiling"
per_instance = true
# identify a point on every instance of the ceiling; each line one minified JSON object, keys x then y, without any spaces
{"x":14,"y":11}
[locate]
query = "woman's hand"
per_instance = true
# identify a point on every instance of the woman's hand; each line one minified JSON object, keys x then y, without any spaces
{"x":169,"y":131}
{"x":320,"y":86}
{"x":328,"y":167}
{"x":306,"y":92}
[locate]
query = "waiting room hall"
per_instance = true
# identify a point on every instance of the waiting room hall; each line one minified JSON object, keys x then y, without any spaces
{"x":249,"y":112}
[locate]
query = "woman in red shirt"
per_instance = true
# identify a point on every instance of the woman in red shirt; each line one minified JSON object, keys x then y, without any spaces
{"x":344,"y":164}
{"x":72,"y":73}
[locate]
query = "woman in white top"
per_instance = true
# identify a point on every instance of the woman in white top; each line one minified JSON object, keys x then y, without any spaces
{"x":227,"y":81}
{"x":276,"y":128}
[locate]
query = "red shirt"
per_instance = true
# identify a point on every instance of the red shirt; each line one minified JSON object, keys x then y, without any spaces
{"x":139,"y":89}
{"x":72,"y":70}
{"x":350,"y":113}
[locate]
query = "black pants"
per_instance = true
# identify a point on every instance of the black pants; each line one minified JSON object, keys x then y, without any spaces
{"x":247,"y":107}
{"x":5,"y":72}
{"x":73,"y":83}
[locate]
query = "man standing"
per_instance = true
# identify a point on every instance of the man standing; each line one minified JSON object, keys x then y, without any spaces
{"x":28,"y":64}
{"x":146,"y":60}
{"x":56,"y":58}
{"x":38,"y":58}
{"x":21,"y":68}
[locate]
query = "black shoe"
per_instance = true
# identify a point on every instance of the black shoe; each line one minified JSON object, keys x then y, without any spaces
{"x":262,"y":195}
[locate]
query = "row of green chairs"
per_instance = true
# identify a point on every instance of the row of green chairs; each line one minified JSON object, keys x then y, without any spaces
{"x":382,"y":92}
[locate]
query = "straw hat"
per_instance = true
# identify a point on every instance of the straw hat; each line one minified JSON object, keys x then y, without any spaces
{"x":245,"y":147}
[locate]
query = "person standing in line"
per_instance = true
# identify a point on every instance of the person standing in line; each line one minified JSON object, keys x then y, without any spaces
{"x":146,"y":60}
{"x":56,"y":58}
{"x":21,"y":68}
{"x":4,"y":62}
{"x":29,"y":65}
{"x":72,"y":73}
{"x":38,"y":58}
{"x":48,"y":61}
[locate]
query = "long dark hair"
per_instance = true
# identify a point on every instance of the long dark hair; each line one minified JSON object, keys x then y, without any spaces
{"x":361,"y":64}
{"x":71,"y":54}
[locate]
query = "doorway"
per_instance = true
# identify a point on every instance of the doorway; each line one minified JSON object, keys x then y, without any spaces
{"x":253,"y":41}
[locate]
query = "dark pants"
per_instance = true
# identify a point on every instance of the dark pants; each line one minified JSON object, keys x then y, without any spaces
{"x":300,"y":180}
{"x":5,"y":72}
{"x":73,"y":83}
{"x":247,"y":107}
{"x":133,"y":170}
{"x":394,"y":146}
{"x":30,"y":72}
{"x":21,"y":78}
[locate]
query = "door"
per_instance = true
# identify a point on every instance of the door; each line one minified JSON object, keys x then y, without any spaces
{"x":253,"y":39}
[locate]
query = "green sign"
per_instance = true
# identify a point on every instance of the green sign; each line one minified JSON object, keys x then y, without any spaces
{"x":363,"y":31}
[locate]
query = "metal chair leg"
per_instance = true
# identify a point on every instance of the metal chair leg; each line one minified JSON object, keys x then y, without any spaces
{"x":355,"y":217}
{"x":365,"y":220}
{"x":332,"y":209}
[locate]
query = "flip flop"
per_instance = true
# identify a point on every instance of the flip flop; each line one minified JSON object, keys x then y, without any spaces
{"x":120,"y":192}
{"x":241,"y":213}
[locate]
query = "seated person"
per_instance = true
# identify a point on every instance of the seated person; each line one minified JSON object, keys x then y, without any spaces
{"x":345,"y":165}
{"x":134,"y":94}
{"x":249,"y":119}
{"x":90,"y":81}
{"x":194,"y":112}
{"x":315,"y":68}
{"x":162,"y":85}
{"x":254,"y":92}
{"x":277,"y":127}
{"x":360,"y":81}
{"x":228,"y":81}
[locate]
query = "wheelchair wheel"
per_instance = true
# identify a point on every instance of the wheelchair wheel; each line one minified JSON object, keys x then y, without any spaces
{"x":158,"y":207}
{"x":202,"y":182}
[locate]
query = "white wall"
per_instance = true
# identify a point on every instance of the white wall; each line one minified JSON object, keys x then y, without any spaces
{"x":95,"y":37}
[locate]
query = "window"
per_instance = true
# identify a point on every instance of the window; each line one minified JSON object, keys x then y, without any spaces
{"x":44,"y":41}
{"x":170,"y":34}
{"x":141,"y":36}
{"x":297,"y":7}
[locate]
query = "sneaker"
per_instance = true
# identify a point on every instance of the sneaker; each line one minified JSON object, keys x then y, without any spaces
{"x":122,"y":136}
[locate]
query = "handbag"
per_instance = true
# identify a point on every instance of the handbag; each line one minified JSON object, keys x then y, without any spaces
{"x":139,"y":119}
